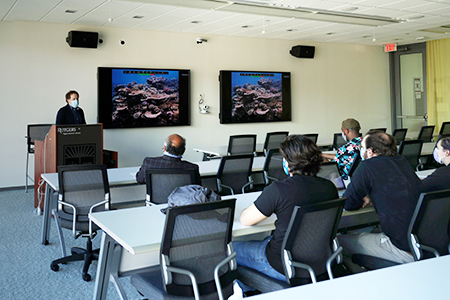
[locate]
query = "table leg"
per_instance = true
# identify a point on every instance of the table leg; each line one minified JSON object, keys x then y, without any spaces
{"x":48,"y":205}
{"x":104,"y":267}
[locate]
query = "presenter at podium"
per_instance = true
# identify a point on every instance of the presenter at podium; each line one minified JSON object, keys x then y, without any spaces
{"x":71,"y":113}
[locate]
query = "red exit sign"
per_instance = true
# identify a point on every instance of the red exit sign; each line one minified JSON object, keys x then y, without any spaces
{"x":390,"y":47}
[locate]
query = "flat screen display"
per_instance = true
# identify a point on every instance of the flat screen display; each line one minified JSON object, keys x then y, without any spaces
{"x":247,"y":96}
{"x":134,"y":97}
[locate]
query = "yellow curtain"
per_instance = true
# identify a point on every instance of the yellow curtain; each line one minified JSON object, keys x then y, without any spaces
{"x":438,"y":82}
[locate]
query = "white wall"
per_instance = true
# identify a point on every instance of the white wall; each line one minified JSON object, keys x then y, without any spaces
{"x":38,"y":68}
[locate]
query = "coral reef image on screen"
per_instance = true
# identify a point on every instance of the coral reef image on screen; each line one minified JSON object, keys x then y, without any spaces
{"x":145,"y":97}
{"x":257,"y":97}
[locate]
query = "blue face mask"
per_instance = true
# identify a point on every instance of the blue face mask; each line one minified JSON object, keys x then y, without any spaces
{"x":361,"y":153}
{"x":436,"y":156}
{"x":74,"y":103}
{"x":286,"y":167}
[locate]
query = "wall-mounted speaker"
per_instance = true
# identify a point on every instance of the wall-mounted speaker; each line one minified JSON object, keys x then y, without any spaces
{"x":303,"y":51}
{"x":82,"y":39}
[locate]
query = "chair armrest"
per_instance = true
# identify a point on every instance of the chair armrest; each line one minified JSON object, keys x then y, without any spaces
{"x":191,"y":276}
{"x":334,"y":256}
{"x":216,"y":273}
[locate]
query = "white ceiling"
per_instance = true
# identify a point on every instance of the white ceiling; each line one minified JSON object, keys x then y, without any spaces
{"x":335,"y":21}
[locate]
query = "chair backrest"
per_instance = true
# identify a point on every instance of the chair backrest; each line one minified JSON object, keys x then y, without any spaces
{"x":273,"y":167}
{"x":400,"y":135}
{"x":309,"y":237}
{"x":426,"y":133}
{"x":445,"y":129}
{"x":379,"y":129}
{"x":197,"y":238}
{"x":330,"y":170}
{"x":161,"y":182}
{"x":242,"y":144}
{"x":312,"y":136}
{"x":273,"y":140}
{"x":234,"y":173}
{"x":36,"y":132}
{"x":356,"y":162}
{"x":84,"y":187}
{"x":411,"y":151}
{"x":338,"y":141}
{"x":430,"y":225}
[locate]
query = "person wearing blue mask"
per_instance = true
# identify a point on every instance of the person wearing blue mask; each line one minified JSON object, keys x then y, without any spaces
{"x":388,"y":181}
{"x":173,"y":150}
{"x":440,"y":179}
{"x":301,"y":161}
{"x":345,"y":155}
{"x":71,"y":113}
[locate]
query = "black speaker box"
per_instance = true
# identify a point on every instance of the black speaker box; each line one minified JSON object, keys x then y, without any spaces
{"x":303,"y":51}
{"x":82,"y":39}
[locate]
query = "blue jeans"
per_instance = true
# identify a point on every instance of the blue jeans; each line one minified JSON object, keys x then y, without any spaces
{"x":252,"y":254}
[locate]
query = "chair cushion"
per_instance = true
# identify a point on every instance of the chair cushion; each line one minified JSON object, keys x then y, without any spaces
{"x":372,"y":262}
{"x":259,"y":280}
{"x":150,"y":285}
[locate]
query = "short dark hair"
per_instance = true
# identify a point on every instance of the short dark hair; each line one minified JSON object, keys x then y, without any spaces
{"x":302,"y":155}
{"x":381,"y":143}
{"x":445,"y":142}
{"x":69,"y":93}
{"x":178,"y":151}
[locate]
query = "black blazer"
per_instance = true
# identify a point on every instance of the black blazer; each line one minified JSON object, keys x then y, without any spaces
{"x":66,"y":116}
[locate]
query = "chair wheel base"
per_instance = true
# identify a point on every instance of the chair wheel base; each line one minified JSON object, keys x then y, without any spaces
{"x":86,"y":277}
{"x":54,"y":267}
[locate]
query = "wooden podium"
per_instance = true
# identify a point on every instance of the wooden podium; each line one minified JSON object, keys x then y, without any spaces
{"x":66,"y":145}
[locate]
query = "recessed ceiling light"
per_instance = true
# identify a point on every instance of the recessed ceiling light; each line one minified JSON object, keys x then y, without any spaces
{"x":420,"y":38}
{"x":70,"y":11}
{"x":138,"y":17}
{"x":330,"y":33}
{"x":246,"y":26}
{"x":416,"y":17}
{"x":195,"y":22}
{"x":350,"y":8}
{"x":290,"y":30}
{"x":366,"y":36}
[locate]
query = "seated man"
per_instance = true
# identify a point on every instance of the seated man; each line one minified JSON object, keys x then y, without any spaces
{"x":301,"y":162}
{"x":440,"y":179}
{"x":346,"y":154}
{"x":391,"y":184}
{"x":174,"y":147}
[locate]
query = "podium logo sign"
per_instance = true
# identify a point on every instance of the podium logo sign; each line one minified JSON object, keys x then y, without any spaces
{"x":69,"y":130}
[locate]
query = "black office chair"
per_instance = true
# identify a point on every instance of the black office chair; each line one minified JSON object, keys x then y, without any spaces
{"x":338,"y":141}
{"x":161,"y":182}
{"x":273,"y":167}
{"x":34,"y":132}
{"x":426,"y":134}
{"x":445,"y":129}
{"x":309,"y":248}
{"x":411,"y":150}
{"x":197,"y":257}
{"x":242,"y":144}
{"x":273,"y":140}
{"x":400,"y":135}
{"x":234,"y":174}
{"x":428,"y":234}
{"x":312,"y":136}
{"x":83,"y":189}
{"x":379,"y":129}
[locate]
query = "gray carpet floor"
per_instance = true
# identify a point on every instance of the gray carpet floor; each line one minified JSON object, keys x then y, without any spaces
{"x":25,"y":262}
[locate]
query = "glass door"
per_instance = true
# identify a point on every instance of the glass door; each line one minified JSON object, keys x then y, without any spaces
{"x":408,"y":67}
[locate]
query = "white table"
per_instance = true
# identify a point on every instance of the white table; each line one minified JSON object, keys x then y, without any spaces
{"x":139,"y":231}
{"x":124,"y":187}
{"x":427,"y":279}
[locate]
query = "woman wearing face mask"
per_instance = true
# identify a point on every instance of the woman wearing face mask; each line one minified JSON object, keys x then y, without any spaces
{"x":440,"y":179}
{"x":71,"y":113}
